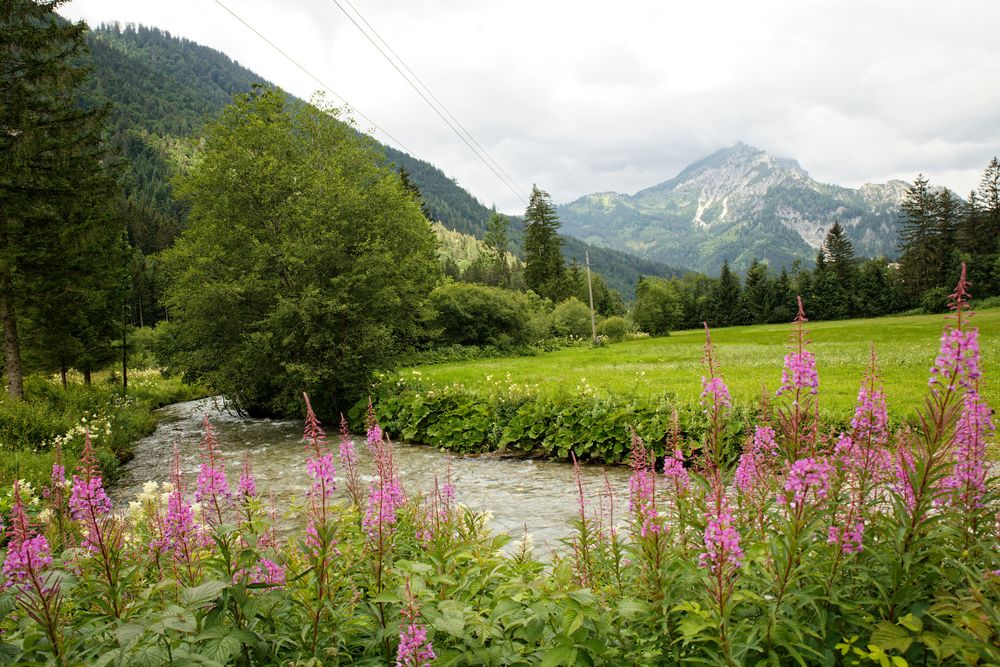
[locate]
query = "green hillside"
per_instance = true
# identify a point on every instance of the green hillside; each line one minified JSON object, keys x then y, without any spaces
{"x":163,"y":89}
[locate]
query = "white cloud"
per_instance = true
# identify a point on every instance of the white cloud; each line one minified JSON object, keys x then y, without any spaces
{"x":586,"y":96}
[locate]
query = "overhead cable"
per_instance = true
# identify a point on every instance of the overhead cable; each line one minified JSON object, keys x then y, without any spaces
{"x":314,"y":77}
{"x":438,"y":107}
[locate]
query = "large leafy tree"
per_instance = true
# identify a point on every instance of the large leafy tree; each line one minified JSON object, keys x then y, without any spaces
{"x":305,"y":264}
{"x":544,"y":271}
{"x":58,"y":247}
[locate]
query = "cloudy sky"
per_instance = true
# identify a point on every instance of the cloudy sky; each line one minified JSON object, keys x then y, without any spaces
{"x":581,"y":96}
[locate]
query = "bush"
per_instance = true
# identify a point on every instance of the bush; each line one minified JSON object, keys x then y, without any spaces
{"x":470,"y":314}
{"x":572,"y":318}
{"x":934,"y":300}
{"x":614,"y":328}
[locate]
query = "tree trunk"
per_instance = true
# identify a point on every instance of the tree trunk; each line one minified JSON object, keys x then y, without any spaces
{"x":11,"y":346}
{"x":86,"y":376}
{"x":62,"y":372}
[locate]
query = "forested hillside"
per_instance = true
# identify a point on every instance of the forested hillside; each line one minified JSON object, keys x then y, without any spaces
{"x":163,"y":89}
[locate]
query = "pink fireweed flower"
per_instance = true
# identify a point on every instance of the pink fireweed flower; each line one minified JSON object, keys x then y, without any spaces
{"x":642,"y":491}
{"x":723,"y":554}
{"x":348,"y":457}
{"x":247,"y":486}
{"x":799,"y":372}
{"x":313,"y":433}
{"x":903,"y":470}
{"x":88,"y":502}
{"x":716,"y":390}
{"x":374,"y":435}
{"x":384,"y":498}
{"x":675,"y":472}
{"x":414,"y":650}
{"x":870,"y":423}
{"x":967,"y":482}
{"x":756,"y":460}
{"x":323,"y":472}
{"x":850,"y":537}
{"x":807,"y":479}
{"x":266,"y":572}
{"x":28,"y":553}
{"x":958,"y":360}
{"x":211,"y":483}
{"x":25,"y":559}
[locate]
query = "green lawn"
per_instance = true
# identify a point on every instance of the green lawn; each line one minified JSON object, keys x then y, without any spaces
{"x":750,"y":357}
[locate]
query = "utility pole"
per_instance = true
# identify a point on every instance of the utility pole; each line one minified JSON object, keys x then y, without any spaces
{"x":590,"y":289}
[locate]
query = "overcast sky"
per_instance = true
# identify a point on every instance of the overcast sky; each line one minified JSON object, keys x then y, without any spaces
{"x":583,"y":96}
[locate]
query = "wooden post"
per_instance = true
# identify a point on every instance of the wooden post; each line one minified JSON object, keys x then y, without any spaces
{"x":590,"y":290}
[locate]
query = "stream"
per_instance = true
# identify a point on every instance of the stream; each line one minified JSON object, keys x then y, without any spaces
{"x":539,"y":497}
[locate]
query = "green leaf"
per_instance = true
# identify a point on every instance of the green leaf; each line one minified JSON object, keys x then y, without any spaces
{"x":203,"y":594}
{"x":888,"y":636}
{"x":911,"y":623}
{"x":559,"y":655}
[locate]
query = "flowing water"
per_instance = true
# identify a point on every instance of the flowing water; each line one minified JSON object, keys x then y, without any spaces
{"x":537,"y":496}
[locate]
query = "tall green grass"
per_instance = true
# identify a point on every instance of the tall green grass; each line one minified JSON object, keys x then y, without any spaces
{"x":751,"y":359}
{"x":30,"y":429}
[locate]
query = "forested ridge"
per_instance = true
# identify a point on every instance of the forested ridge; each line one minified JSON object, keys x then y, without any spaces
{"x":164,"y":89}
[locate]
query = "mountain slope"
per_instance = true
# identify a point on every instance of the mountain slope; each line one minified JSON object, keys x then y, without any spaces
{"x":737,"y":204}
{"x":164,"y":90}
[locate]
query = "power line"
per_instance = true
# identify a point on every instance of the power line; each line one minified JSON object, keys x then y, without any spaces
{"x":314,"y":77}
{"x":402,"y":62}
{"x":467,"y":137}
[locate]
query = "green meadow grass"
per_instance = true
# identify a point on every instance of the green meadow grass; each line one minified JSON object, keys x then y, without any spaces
{"x":750,"y":359}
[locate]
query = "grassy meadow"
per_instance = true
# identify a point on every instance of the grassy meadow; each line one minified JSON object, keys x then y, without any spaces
{"x":750,"y":358}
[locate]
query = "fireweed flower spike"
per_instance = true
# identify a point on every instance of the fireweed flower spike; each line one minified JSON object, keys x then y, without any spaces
{"x":212,"y":488}
{"x":28,"y":553}
{"x":717,"y":402}
{"x":642,"y":491}
{"x":88,"y":502}
{"x":414,"y":650}
{"x":799,"y":422}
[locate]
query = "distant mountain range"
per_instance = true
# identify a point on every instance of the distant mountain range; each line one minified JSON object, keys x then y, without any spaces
{"x":738,"y":204}
{"x":164,"y":89}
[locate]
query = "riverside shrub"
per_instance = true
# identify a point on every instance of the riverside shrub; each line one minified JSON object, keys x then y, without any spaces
{"x":857,"y":546}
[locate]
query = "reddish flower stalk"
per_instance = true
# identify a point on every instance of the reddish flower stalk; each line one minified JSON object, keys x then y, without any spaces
{"x":642,"y":491}
{"x":437,"y":518}
{"x":414,"y":649}
{"x":717,"y":403}
{"x":799,"y":421}
{"x":181,"y":535}
{"x":25,"y":569}
{"x":583,"y":564}
{"x":212,"y":486}
{"x":723,"y":557}
{"x":102,"y":533}
{"x":319,"y":530}
{"x":349,"y":463}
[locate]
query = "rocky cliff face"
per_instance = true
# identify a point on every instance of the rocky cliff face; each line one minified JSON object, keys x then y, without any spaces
{"x":738,"y":204}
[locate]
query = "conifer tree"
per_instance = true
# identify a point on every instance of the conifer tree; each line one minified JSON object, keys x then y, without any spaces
{"x":917,"y":235}
{"x":55,"y":187}
{"x":543,"y":263}
{"x":727,"y":298}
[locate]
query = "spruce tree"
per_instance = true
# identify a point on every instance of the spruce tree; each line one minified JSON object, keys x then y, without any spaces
{"x":726,"y":298}
{"x":55,"y":188}
{"x":543,"y":263}
{"x":496,"y":241}
{"x":917,"y":236}
{"x":838,"y":252}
